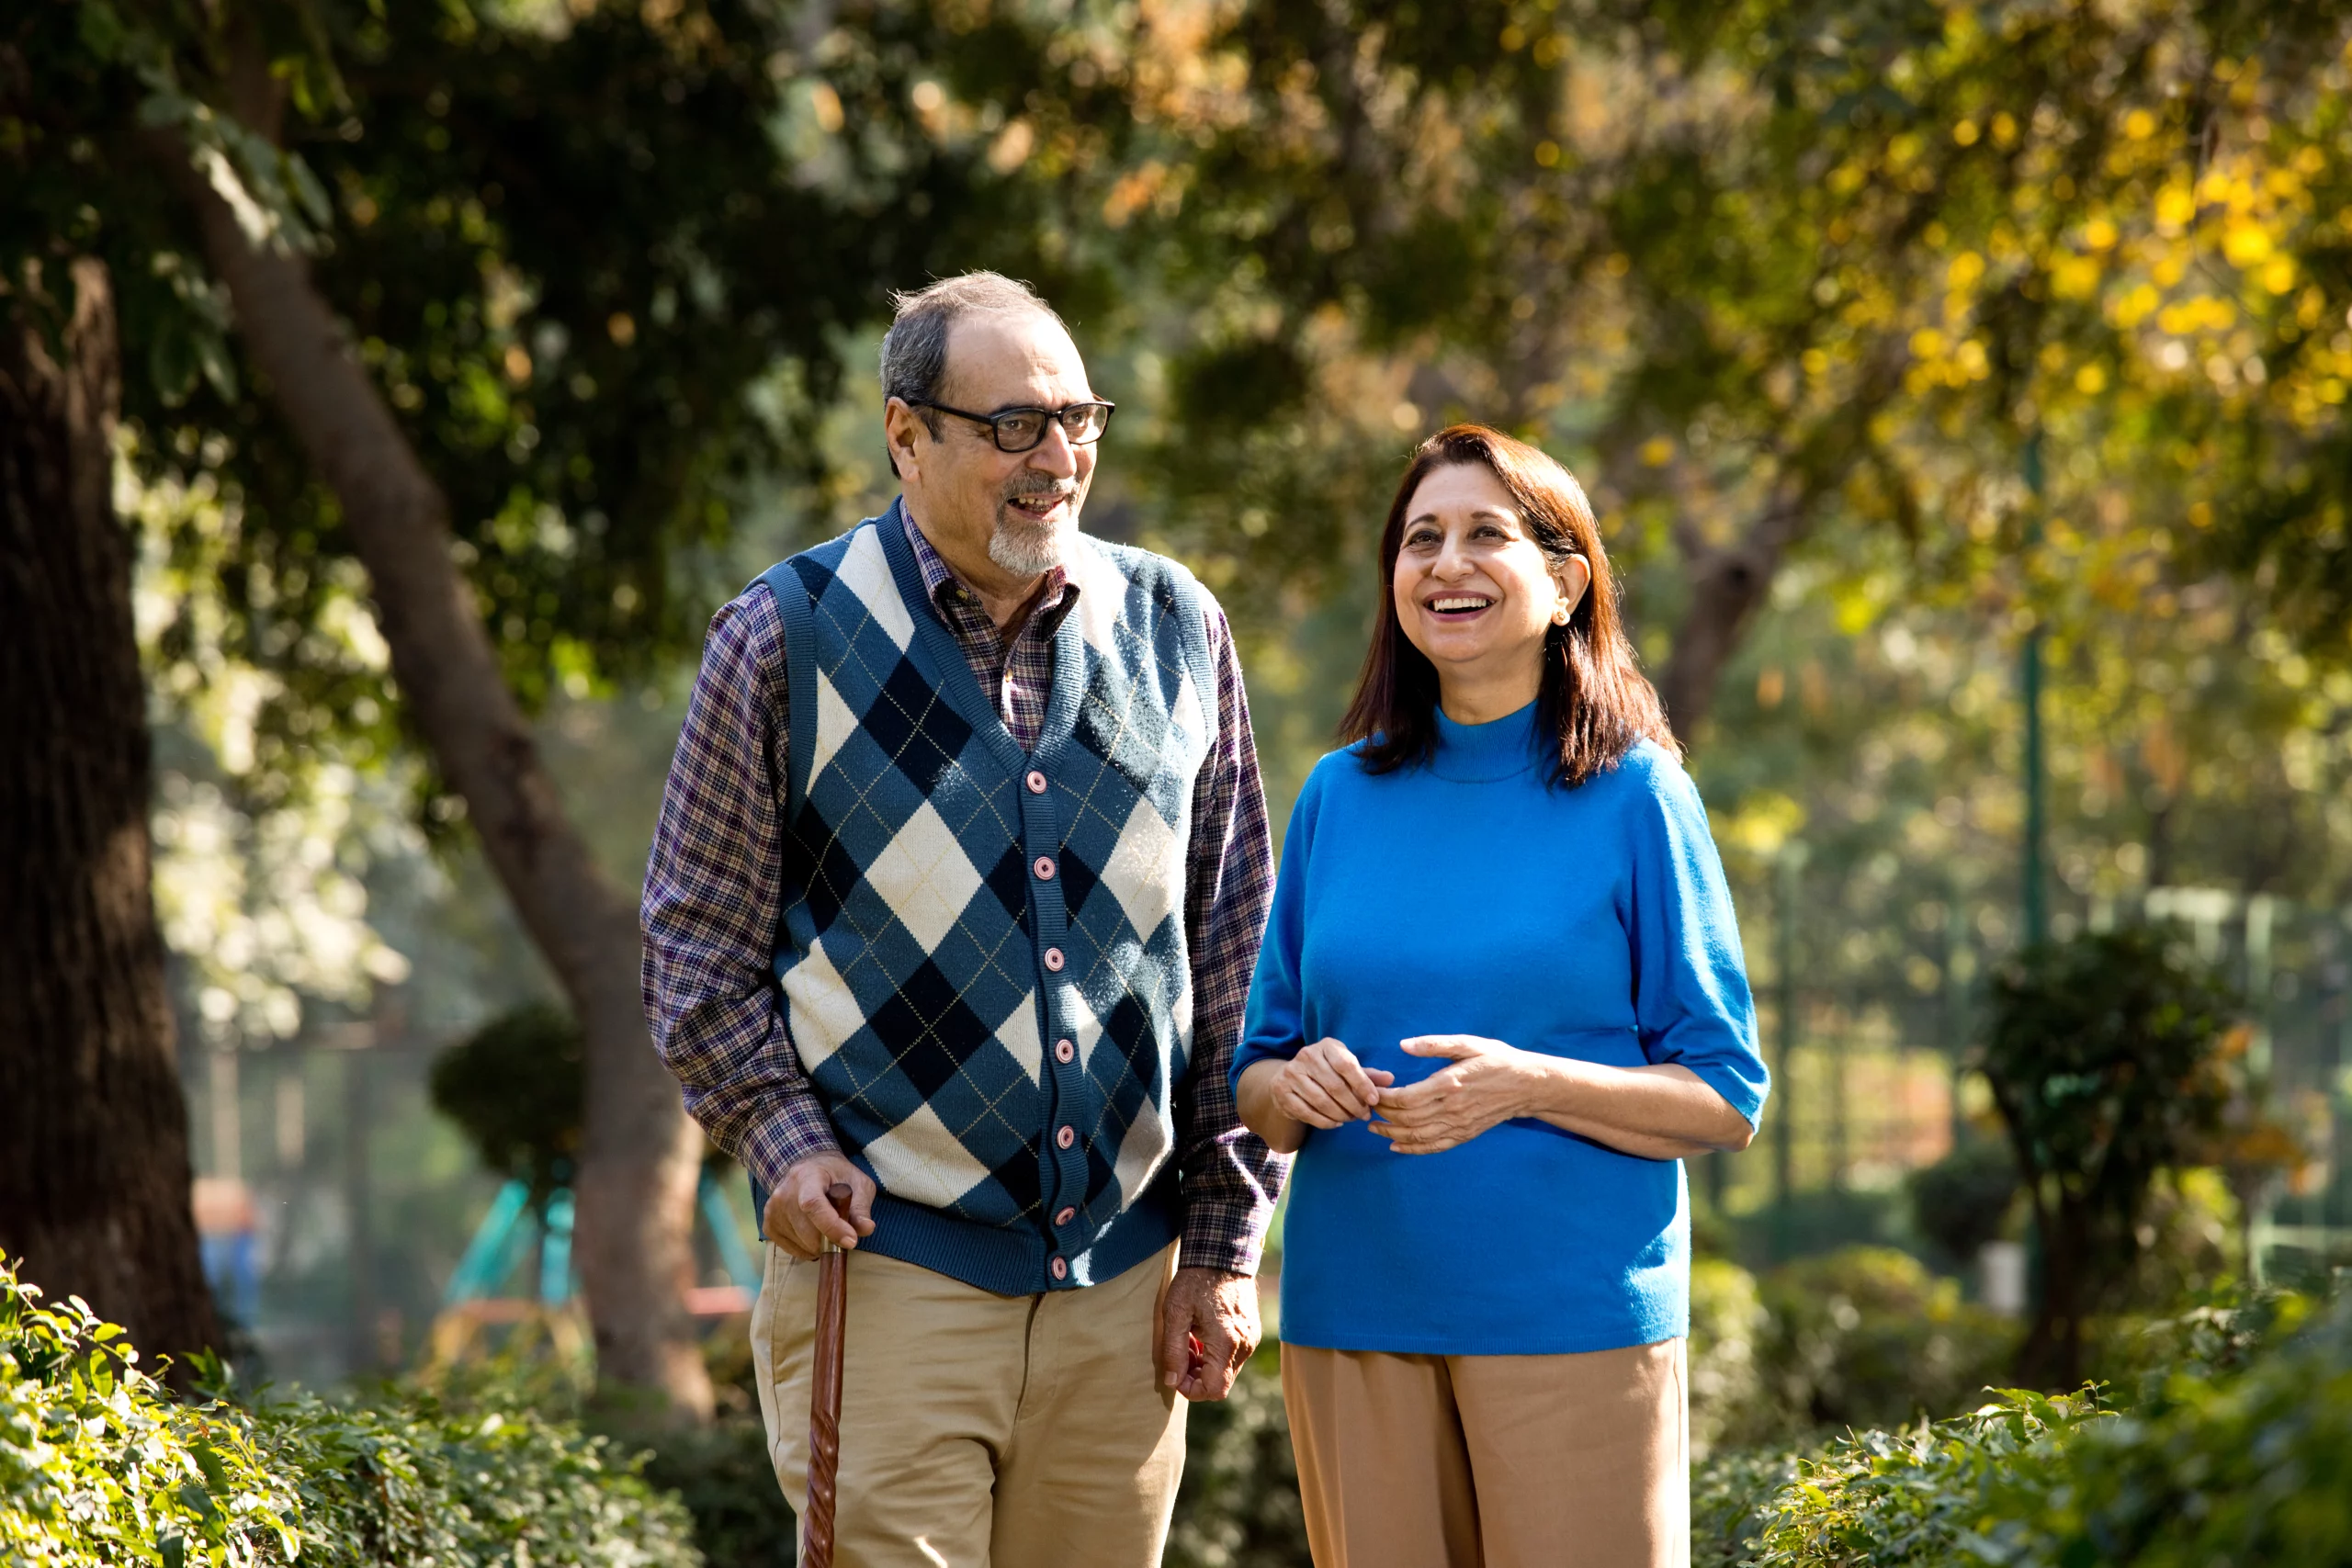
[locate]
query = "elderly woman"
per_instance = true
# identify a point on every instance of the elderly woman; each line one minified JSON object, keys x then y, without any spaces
{"x":1499,"y":1002}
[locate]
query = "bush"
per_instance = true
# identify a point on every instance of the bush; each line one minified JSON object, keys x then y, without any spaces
{"x":1238,"y":1505}
{"x":100,"y":1464}
{"x":1865,"y":1336}
{"x":2238,"y":1456}
{"x":1922,"y":1496}
{"x":1963,"y":1199}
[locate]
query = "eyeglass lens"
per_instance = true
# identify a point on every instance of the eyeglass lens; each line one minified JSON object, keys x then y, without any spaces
{"x":1024,"y":428}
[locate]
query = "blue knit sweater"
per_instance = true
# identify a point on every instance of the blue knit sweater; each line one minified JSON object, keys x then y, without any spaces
{"x":1471,"y":896}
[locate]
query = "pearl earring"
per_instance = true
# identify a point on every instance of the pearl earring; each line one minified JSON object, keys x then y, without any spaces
{"x":1560,"y":613}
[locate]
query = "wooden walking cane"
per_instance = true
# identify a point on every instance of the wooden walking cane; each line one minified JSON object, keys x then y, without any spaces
{"x":825,"y":1399}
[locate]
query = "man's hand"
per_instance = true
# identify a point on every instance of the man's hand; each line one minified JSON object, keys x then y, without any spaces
{"x":1221,"y":1309}
{"x":800,"y":1218}
{"x":1487,"y":1085}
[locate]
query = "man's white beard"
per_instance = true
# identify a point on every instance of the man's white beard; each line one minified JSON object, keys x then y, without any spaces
{"x":1030,"y":549}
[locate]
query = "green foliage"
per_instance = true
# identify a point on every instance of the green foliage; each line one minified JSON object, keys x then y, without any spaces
{"x":1923,"y":1496}
{"x":1731,"y":1497}
{"x":1863,"y":1336}
{"x":2104,"y":1055}
{"x":1963,"y":1199}
{"x":99,"y":1464}
{"x":518,"y":1087}
{"x":1238,"y":1505}
{"x":723,"y":1476}
{"x":2237,"y":1449}
{"x":2251,"y":1468}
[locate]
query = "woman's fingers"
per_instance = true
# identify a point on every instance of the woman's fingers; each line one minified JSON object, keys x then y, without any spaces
{"x":1344,"y":1084}
{"x":1307,"y":1100}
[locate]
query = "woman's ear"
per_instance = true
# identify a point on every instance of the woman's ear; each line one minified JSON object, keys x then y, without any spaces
{"x":1575,"y":579}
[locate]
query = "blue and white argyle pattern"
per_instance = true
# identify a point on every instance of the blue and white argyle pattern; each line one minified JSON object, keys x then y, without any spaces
{"x":956,"y":922}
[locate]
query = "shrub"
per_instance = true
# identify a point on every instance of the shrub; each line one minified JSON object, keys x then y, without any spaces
{"x":2236,"y":1456}
{"x":100,"y":1464}
{"x":2107,"y":1062}
{"x":1963,"y":1199}
{"x":1731,"y":1497}
{"x":2254,"y":1467}
{"x":1865,"y":1337}
{"x":1923,"y":1496}
{"x":1238,"y":1505}
{"x":1728,"y":1322}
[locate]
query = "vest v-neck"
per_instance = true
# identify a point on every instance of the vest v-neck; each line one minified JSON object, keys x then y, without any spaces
{"x":937,"y":655}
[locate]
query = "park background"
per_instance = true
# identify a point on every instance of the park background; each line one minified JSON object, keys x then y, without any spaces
{"x":1961,"y":388}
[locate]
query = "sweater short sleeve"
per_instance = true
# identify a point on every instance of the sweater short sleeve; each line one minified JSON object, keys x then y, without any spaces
{"x":1276,"y":1025}
{"x":1691,"y":1002}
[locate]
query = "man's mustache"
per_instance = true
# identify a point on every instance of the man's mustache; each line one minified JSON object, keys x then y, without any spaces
{"x":1039,"y":486}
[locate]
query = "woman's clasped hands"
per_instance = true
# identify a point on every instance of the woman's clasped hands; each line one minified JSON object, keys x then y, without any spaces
{"x":1486,"y":1084}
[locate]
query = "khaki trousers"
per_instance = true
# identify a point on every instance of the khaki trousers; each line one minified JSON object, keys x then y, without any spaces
{"x":1493,"y":1461}
{"x":978,"y":1429}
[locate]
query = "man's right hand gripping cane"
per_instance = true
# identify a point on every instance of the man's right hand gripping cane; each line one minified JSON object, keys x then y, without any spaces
{"x":802,"y":1219}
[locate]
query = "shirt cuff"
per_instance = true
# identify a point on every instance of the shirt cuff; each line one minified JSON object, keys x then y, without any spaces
{"x":795,"y":1129}
{"x":1226,"y":1236}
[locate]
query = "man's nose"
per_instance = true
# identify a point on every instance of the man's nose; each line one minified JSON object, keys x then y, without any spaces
{"x":1056,"y":454}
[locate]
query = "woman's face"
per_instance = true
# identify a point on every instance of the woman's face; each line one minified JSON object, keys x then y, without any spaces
{"x":1473,"y":592}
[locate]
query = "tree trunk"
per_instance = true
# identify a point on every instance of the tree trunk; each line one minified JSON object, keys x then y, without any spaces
{"x":641,"y":1156}
{"x":94,"y":1161}
{"x":1728,"y":585}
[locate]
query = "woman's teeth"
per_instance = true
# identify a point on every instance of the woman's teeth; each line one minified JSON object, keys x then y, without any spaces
{"x":1448,"y":606}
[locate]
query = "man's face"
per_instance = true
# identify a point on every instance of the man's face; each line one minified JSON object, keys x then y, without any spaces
{"x":1019,"y":508}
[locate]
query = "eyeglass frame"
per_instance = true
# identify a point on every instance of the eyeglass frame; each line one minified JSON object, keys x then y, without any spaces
{"x":996,"y":429}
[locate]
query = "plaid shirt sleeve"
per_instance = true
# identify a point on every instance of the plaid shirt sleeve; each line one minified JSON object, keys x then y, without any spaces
{"x":713,"y":898}
{"x":1230,"y":1178}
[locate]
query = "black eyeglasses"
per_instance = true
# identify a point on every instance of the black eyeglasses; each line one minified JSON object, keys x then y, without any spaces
{"x":1020,"y":430}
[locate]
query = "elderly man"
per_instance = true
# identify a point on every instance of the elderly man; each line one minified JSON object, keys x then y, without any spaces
{"x":958,"y":884}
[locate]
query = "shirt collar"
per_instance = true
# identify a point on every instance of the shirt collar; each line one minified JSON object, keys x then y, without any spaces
{"x":940,"y":581}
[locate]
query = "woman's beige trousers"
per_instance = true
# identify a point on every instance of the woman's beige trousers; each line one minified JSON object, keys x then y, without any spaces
{"x":1493,"y":1461}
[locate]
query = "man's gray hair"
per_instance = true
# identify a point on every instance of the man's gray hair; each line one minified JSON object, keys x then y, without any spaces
{"x":915,"y":351}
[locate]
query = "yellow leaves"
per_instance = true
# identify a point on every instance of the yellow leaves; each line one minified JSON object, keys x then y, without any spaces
{"x":2176,"y":208}
{"x":2279,"y":274}
{"x":517,"y":363}
{"x":621,"y":327}
{"x":2247,"y":245}
{"x":1547,"y":155}
{"x":2205,"y":311}
{"x":2099,"y":234}
{"x":1965,"y":270}
{"x":2139,"y":124}
{"x":1815,"y":362}
{"x":1658,"y":451}
{"x":2200,"y":514}
{"x":2075,"y":278}
{"x":2136,"y":306}
{"x":1926,"y":343}
{"x":2005,"y":131}
{"x":1966,"y":133}
{"x":2090,"y":381}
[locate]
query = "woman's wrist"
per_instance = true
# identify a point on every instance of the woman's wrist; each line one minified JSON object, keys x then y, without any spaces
{"x":1555,"y":1085}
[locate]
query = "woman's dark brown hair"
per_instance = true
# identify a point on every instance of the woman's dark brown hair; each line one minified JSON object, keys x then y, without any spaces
{"x":1594,"y":701}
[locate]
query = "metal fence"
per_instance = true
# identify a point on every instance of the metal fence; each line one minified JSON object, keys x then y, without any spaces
{"x":1866,"y":1032}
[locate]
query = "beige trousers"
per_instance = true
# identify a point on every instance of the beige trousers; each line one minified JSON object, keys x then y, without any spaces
{"x":978,"y":1429}
{"x":1493,"y":1461}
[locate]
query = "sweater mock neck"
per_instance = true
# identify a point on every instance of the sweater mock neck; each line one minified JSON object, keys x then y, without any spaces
{"x":1486,"y":753}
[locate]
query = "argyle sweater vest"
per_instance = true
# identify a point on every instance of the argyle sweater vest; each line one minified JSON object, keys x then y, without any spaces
{"x":984,"y":965}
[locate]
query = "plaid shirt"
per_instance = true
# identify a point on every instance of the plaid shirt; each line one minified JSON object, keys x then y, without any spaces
{"x":714,"y":898}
